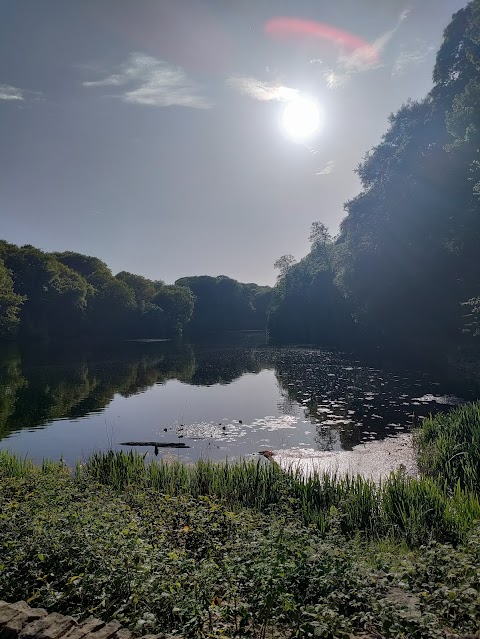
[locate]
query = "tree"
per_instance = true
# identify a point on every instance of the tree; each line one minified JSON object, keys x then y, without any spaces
{"x":177,"y":303}
{"x":223,"y":304}
{"x":283,"y":264}
{"x":322,"y":241}
{"x":407,"y":253}
{"x":409,"y":243}
{"x":85,"y":265}
{"x":307,"y":306}
{"x":55,"y":295}
{"x":319,"y":234}
{"x":112,"y":306}
{"x":458,"y":58}
{"x":143,"y":288}
{"x":10,"y":304}
{"x":50,"y":295}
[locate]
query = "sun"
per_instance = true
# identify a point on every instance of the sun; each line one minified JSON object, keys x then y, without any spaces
{"x":301,"y":118}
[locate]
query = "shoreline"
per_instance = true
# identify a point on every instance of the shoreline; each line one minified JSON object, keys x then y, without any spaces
{"x":373,"y":460}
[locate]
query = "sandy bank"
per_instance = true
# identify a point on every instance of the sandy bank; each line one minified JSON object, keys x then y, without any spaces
{"x":373,"y":460}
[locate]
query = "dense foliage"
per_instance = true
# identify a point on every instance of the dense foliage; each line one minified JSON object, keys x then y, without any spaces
{"x":409,"y":509}
{"x":45,"y":295}
{"x":10,"y":303}
{"x":211,"y":551}
{"x":306,"y":304}
{"x":406,"y":257}
{"x":449,"y":447}
{"x":50,"y":295}
{"x":244,"y":549}
{"x":223,"y":304}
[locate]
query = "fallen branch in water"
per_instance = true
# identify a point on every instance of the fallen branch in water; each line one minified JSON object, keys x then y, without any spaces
{"x":156,"y":444}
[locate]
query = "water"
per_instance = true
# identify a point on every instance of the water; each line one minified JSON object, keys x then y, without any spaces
{"x":230,"y":398}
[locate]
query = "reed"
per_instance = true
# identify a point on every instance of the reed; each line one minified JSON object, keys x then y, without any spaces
{"x":416,"y":510}
{"x":448,"y":447}
{"x":12,"y":465}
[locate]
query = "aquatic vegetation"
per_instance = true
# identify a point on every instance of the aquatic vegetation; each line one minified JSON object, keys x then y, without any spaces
{"x":448,"y":447}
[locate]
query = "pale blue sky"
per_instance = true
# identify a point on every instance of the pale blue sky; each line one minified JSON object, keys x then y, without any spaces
{"x":133,"y":131}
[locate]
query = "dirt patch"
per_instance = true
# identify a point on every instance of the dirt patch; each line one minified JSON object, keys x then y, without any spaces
{"x":404,"y":599}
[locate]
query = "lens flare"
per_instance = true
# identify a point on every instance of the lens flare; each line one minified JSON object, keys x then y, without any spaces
{"x":285,"y":28}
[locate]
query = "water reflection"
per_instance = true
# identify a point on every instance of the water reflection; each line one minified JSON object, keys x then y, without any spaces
{"x":229,"y":398}
{"x":48,"y":383}
{"x":351,"y":402}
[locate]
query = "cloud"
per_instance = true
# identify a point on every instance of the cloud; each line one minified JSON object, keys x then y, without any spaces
{"x":263,"y":91}
{"x":412,"y":58}
{"x":382,"y":41}
{"x":335,"y":80}
{"x":147,"y":80}
{"x":7,"y":92}
{"x":362,"y":60}
{"x":327,"y":169}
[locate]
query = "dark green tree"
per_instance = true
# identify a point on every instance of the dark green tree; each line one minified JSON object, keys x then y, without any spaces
{"x":409,"y":245}
{"x":10,"y":304}
{"x":50,"y":295}
{"x":406,"y":257}
{"x":307,"y":306}
{"x":283,"y":264}
{"x":143,"y":288}
{"x":223,"y":304}
{"x":112,"y":305}
{"x":55,"y":295}
{"x":85,"y":265}
{"x":177,"y":303}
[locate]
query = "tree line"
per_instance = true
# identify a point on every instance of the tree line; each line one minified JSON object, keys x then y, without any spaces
{"x":64,"y":295}
{"x":405,"y":265}
{"x":50,"y":295}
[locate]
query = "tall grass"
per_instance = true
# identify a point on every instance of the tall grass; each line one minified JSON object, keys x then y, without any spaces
{"x":12,"y":465}
{"x":443,"y":505}
{"x":412,"y":509}
{"x":254,"y":484}
{"x":448,"y":447}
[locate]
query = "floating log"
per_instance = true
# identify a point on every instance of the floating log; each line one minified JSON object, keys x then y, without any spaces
{"x":156,"y":444}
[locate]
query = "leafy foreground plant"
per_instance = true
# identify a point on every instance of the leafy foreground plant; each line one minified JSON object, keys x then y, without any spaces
{"x":195,"y":567}
{"x":414,"y":510}
{"x":448,"y":447}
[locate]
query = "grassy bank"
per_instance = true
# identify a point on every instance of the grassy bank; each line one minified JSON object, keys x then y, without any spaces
{"x":413,"y":510}
{"x":448,"y":447}
{"x":238,"y":550}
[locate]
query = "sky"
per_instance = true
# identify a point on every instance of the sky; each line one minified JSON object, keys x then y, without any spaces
{"x":150,"y":133}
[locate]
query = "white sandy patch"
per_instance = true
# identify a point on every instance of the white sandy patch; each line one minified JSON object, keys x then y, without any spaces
{"x":374,"y":460}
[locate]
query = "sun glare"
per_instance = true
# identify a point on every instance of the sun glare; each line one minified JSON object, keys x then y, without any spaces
{"x":301,"y":118}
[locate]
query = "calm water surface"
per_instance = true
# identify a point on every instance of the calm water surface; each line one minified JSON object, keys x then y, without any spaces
{"x":225,"y":399}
